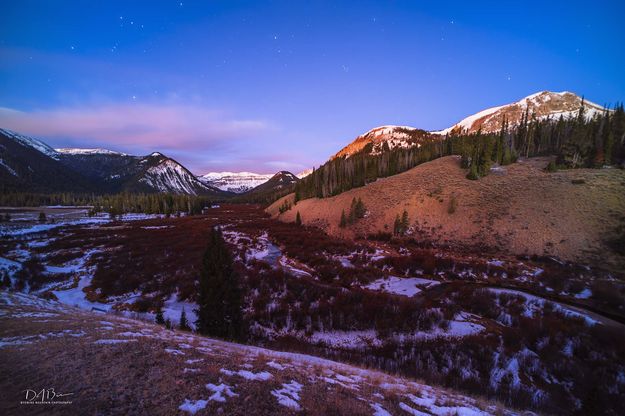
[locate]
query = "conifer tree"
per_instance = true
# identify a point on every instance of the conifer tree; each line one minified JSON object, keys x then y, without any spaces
{"x":343,"y":222}
{"x":159,"y":316}
{"x":397,"y":225}
{"x":473,"y":172}
{"x":405,"y":223}
{"x":184,"y":324}
{"x":298,"y":219}
{"x":219,"y":299}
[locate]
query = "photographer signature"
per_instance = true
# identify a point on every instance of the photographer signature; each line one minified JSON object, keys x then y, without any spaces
{"x":45,"y":396}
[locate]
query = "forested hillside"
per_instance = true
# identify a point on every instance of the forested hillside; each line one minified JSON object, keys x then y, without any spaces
{"x":576,"y":141}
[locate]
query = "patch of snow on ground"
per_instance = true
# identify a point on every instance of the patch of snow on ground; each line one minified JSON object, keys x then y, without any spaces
{"x":414,"y":412}
{"x":584,"y":294}
{"x":220,"y":392}
{"x":248,"y":375}
{"x":275,"y":365}
{"x":288,"y":395}
{"x":113,"y":341}
{"x":429,"y":402}
{"x":406,"y":286}
{"x":192,"y":406}
{"x":378,"y":410}
{"x":346,"y":339}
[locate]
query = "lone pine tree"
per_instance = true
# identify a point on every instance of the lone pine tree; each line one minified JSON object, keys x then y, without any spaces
{"x":219,"y":313}
{"x":159,"y":316}
{"x":184,"y":324}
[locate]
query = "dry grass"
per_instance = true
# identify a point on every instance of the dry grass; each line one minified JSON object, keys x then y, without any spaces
{"x":522,"y":211}
{"x":141,"y":377}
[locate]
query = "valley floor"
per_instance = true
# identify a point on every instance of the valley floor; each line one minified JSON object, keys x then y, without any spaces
{"x":533,"y":333}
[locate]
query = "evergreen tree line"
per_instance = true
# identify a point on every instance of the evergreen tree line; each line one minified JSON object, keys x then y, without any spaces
{"x":115,"y":204}
{"x":576,"y":141}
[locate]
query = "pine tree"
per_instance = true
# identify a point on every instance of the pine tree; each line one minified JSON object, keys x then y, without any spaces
{"x":343,"y":222}
{"x":159,"y":316}
{"x":219,"y":299}
{"x":473,"y":172}
{"x":168,"y":323}
{"x":184,"y":324}
{"x":405,"y":223}
{"x":359,"y":209}
{"x":397,"y":225}
{"x":298,"y":219}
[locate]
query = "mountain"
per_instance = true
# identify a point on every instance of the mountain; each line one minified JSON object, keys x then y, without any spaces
{"x":237,"y":182}
{"x":30,"y":165}
{"x":277,"y":186}
{"x":541,"y":105}
{"x":383,"y":138}
{"x":27,"y":164}
{"x":280,"y":180}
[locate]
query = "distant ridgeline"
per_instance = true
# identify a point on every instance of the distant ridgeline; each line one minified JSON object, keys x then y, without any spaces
{"x":576,"y":142}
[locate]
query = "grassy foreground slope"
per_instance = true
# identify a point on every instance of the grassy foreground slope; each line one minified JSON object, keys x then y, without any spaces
{"x":111,"y":365}
{"x":519,"y":209}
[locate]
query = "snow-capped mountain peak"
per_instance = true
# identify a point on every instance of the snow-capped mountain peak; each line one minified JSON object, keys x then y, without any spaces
{"x":541,"y":105}
{"x":384,"y":137}
{"x":237,"y":182}
{"x":170,"y":176}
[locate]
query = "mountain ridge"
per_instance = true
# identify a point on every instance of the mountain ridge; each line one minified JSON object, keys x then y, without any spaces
{"x":542,"y":104}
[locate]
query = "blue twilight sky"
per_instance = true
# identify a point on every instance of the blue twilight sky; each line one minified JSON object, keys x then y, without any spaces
{"x":270,"y":85}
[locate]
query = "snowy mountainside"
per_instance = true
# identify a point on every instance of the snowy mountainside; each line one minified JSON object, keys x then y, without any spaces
{"x":237,"y":182}
{"x":380,"y":139}
{"x":541,"y":105}
{"x":167,"y":175}
{"x":31,"y":142}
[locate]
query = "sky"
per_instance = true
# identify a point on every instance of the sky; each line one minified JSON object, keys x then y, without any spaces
{"x":282,"y":85}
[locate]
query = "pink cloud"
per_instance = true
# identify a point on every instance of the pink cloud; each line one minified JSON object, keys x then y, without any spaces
{"x":135,"y":126}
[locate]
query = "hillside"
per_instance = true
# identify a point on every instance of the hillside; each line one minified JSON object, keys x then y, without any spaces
{"x":96,"y":361}
{"x":28,"y":164}
{"x":517,"y":209}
